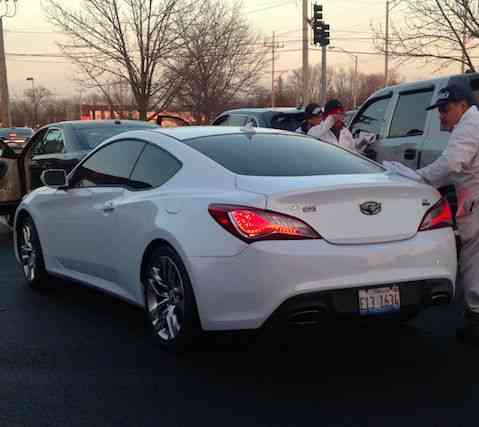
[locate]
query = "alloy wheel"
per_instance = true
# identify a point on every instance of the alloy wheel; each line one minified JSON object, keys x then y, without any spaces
{"x":28,"y":252}
{"x":165,"y":296}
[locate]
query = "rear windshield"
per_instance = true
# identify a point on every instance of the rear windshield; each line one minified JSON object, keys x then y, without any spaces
{"x":19,"y":131}
{"x":91,"y":136}
{"x":281,"y":155}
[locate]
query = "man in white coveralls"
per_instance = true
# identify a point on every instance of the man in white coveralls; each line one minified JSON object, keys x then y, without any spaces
{"x":459,"y":164}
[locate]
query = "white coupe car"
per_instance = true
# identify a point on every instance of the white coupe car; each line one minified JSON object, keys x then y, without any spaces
{"x":220,"y":228}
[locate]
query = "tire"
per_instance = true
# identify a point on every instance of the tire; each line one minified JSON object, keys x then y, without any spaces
{"x":170,"y":304}
{"x":31,"y":255}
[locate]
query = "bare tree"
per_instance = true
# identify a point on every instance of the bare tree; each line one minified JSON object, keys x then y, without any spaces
{"x":35,"y":100}
{"x":443,"y":32}
{"x":124,"y":40}
{"x":222,"y":58}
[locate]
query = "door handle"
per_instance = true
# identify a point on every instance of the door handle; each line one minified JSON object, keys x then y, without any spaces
{"x":410,"y":154}
{"x":108,"y":206}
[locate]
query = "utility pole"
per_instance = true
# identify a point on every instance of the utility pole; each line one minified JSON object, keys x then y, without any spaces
{"x":305,"y":54}
{"x":322,"y":100}
{"x":10,"y":10}
{"x":273,"y":45}
{"x":354,"y":80}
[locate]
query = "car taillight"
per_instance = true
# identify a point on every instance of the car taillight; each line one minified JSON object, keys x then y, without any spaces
{"x":439,"y":216}
{"x":252,"y":224}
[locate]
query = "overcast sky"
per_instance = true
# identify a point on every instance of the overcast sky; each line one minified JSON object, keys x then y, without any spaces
{"x":29,"y":33}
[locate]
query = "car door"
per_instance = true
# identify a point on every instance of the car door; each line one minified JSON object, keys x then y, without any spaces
{"x":372,"y":118}
{"x":10,"y":184}
{"x":86,"y":248}
{"x":408,"y":128}
{"x":46,"y":154}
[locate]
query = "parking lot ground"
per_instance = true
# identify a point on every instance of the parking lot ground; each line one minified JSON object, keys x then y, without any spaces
{"x":74,"y":357}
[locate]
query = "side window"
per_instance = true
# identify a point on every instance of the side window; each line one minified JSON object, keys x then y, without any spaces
{"x":372,"y":118}
{"x":53,"y":142}
{"x":237,"y":120}
{"x":37,"y":142}
{"x":109,"y":166}
{"x":409,"y":118}
{"x":154,"y":167}
{"x":222,"y":121}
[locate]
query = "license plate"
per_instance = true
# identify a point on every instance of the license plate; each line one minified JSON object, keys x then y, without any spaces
{"x":379,"y":300}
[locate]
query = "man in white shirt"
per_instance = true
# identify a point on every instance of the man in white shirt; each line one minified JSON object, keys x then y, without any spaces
{"x":312,"y":117}
{"x":459,"y":165}
{"x":333,"y":130}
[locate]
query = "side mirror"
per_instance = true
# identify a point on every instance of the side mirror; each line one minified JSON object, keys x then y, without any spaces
{"x":54,"y":178}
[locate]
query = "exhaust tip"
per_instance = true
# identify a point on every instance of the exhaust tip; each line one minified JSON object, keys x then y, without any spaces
{"x":306,"y":317}
{"x":440,"y":298}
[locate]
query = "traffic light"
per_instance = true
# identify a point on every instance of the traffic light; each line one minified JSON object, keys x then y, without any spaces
{"x":317,"y":22}
{"x":324,"y":35}
{"x":320,"y":29}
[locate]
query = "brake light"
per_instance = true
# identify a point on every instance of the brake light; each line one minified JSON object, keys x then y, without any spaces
{"x":439,"y":216}
{"x":252,"y":224}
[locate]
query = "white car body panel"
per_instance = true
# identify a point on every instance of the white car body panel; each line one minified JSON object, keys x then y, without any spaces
{"x":239,"y":285}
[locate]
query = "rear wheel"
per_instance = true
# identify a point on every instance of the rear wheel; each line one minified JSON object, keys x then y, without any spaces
{"x":31,"y":256}
{"x":170,"y":303}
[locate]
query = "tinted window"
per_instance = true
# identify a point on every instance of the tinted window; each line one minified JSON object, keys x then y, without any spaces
{"x":372,"y":118}
{"x":280,"y":155}
{"x":53,"y":142}
{"x":18,"y":131}
{"x":289,"y":122}
{"x":91,"y":136}
{"x":410,"y":115}
{"x":111,"y":165}
{"x":154,"y":167}
{"x":236,"y":120}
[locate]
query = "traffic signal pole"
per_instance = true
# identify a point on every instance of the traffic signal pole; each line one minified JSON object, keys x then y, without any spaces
{"x":322,"y":100}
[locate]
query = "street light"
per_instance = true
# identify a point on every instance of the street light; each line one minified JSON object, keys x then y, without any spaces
{"x":354,"y":86}
{"x":35,"y":112}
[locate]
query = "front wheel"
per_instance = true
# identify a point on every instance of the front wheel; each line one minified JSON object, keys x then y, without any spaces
{"x":170,"y":303}
{"x":31,"y":255}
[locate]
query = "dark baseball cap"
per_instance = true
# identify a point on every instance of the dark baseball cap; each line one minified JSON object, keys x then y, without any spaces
{"x":312,"y":110}
{"x":450,"y":93}
{"x":331,"y":105}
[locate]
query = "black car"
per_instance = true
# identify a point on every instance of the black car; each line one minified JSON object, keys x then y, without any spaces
{"x":277,"y":118}
{"x":55,"y":146}
{"x":16,"y":137}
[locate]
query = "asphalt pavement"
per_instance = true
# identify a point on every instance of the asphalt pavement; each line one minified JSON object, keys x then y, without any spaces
{"x":71,"y":356}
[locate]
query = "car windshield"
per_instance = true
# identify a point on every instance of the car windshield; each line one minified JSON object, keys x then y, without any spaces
{"x":259,"y":154}
{"x":91,"y":136}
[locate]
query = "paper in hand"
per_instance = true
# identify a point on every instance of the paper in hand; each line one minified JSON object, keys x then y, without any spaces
{"x":399,"y":169}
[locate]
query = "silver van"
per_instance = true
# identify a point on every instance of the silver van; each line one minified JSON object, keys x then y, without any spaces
{"x":406,"y":131}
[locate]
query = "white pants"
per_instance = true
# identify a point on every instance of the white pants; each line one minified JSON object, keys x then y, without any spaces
{"x":468,"y":227}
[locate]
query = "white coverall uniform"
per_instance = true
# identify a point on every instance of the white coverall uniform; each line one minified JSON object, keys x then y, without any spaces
{"x":459,"y":165}
{"x":323,"y":133}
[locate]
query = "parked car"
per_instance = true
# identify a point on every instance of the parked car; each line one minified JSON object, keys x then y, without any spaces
{"x":406,"y":131}
{"x":55,"y":146}
{"x":16,"y":137}
{"x":216,"y":228}
{"x":275,"y":118}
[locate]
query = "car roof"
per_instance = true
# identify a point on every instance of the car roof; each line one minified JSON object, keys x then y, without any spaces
{"x":290,"y":110}
{"x":422,"y":83}
{"x":101,"y":123}
{"x":189,"y":132}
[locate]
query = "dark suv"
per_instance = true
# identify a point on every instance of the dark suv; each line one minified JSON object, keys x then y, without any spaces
{"x":277,"y":118}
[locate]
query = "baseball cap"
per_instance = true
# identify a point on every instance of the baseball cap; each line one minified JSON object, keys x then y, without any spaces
{"x":450,"y":93}
{"x":312,"y":110}
{"x":333,"y":106}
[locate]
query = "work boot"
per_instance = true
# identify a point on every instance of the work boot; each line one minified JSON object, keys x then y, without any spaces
{"x":469,"y":334}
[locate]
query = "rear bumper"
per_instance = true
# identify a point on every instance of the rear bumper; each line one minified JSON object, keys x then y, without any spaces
{"x":243,"y":291}
{"x":314,"y":308}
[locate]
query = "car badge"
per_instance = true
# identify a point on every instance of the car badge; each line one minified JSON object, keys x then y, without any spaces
{"x":370,"y":208}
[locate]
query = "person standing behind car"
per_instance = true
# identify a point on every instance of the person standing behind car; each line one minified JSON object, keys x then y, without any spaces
{"x":312,"y":117}
{"x":459,"y":165}
{"x":333,"y":130}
